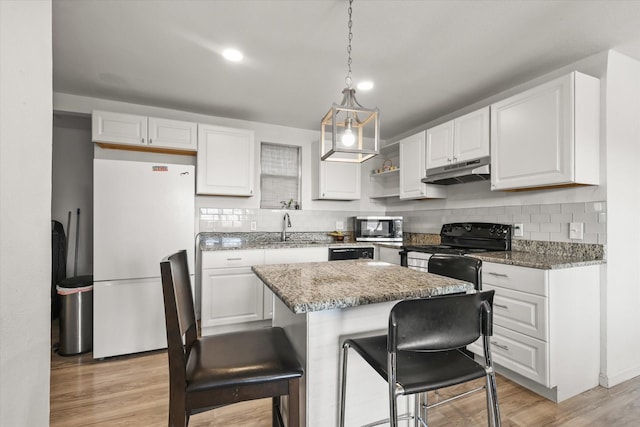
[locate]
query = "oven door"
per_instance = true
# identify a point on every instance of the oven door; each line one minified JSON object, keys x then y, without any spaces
{"x":418,"y":260}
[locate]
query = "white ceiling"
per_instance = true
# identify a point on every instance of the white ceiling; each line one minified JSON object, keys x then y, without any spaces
{"x":427,"y":58}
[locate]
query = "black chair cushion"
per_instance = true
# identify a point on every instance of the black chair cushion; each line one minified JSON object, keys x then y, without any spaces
{"x":419,"y":371}
{"x":241,"y":358}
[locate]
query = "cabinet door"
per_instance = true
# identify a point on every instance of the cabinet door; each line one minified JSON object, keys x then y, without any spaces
{"x":532,"y":137}
{"x":165,"y":133}
{"x":230,"y":296}
{"x":412,"y":170}
{"x":471,"y":136}
{"x":225,"y":162}
{"x":118,"y":128}
{"x":440,"y":145}
{"x":339,"y":181}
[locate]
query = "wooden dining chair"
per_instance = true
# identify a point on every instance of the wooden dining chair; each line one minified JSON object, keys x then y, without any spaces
{"x":422,"y":352}
{"x":209,"y":372}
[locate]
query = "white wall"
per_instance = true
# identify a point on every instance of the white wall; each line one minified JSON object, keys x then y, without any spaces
{"x":621,"y":289}
{"x":25,"y":211}
{"x":72,"y":187}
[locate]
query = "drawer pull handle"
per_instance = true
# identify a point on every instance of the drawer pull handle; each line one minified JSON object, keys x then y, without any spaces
{"x":234,"y":259}
{"x":501,"y":306}
{"x":504,"y":347}
{"x":497,"y":274}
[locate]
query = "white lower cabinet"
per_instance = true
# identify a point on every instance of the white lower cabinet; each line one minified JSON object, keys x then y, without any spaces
{"x":231,"y":293}
{"x":232,"y":296}
{"x":546,"y":327}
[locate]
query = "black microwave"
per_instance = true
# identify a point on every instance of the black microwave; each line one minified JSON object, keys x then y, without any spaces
{"x":378,"y":228}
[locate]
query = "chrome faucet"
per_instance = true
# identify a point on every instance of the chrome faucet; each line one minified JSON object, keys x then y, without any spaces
{"x":286,"y":223}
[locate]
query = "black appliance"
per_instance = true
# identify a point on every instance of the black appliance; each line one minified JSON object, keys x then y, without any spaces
{"x":378,"y":228}
{"x":460,"y":238}
{"x":354,"y":252}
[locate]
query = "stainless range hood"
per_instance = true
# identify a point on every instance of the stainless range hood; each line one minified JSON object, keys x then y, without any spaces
{"x":458,"y":173}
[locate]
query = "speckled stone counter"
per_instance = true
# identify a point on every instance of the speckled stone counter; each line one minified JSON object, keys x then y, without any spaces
{"x":309,"y":287}
{"x":537,"y":260}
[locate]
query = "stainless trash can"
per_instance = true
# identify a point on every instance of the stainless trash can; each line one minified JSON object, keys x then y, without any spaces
{"x":76,"y":315}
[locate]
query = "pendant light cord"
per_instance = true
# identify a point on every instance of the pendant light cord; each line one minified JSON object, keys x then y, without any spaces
{"x":348,"y":79}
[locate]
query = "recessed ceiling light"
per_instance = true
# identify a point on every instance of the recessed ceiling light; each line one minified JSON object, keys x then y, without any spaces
{"x":365,"y":85}
{"x":233,"y":55}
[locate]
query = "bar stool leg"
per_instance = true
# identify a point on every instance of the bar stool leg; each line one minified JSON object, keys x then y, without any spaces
{"x":343,"y":384}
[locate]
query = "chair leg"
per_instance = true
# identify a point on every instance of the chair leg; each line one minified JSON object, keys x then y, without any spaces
{"x":275,"y":411}
{"x":493,"y":409}
{"x":178,"y":416}
{"x":294,"y":403}
{"x":343,"y":384}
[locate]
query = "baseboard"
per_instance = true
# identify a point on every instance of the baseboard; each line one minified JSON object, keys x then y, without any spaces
{"x":609,"y":381}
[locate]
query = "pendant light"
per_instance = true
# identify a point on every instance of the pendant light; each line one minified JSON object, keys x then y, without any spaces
{"x":349,"y":131}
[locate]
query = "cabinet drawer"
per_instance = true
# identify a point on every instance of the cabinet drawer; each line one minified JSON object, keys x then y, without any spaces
{"x":520,"y":311}
{"x":522,"y":354}
{"x":523,"y":279}
{"x":226,"y":259}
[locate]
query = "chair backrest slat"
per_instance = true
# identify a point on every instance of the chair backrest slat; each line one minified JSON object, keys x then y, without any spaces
{"x":440,"y":323}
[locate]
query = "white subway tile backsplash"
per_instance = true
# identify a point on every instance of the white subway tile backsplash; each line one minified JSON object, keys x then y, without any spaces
{"x":573,"y":207}
{"x":550,"y":227}
{"x":540,"y":218}
{"x":547,"y":222}
{"x":561,"y":218}
{"x":538,"y":235}
{"x":531,"y":209}
{"x":553,"y":208}
{"x":513,"y":210}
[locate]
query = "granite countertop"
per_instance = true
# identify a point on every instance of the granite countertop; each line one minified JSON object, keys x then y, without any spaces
{"x":217,"y":246}
{"x":537,"y":260}
{"x":316,"y":286}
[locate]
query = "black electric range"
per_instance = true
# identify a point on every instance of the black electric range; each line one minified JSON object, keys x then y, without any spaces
{"x":460,"y":238}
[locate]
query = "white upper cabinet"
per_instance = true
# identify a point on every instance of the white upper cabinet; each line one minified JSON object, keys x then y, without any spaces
{"x":225,"y":162}
{"x":142,"y":132}
{"x":464,"y":138}
{"x":333,"y":180}
{"x":412,"y":170}
{"x":547,"y":136}
{"x":165,"y":133}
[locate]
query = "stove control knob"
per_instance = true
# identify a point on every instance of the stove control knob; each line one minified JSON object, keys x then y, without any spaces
{"x":467,"y":227}
{"x":493,"y":229}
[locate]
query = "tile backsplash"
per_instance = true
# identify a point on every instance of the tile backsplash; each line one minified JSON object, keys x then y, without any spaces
{"x":548,"y":223}
{"x":541,"y":222}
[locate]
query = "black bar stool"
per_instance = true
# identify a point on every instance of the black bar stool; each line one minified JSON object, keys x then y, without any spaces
{"x":422,"y":351}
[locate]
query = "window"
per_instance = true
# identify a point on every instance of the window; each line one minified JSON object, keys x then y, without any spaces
{"x":279,"y":176}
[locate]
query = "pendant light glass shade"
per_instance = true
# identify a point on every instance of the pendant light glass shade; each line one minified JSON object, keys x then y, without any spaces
{"x":350,"y":132}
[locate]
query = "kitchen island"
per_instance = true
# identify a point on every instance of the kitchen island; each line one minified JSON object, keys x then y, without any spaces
{"x":320,"y":305}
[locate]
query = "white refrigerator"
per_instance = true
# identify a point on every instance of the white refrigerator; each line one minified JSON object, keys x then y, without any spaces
{"x":142,"y":213}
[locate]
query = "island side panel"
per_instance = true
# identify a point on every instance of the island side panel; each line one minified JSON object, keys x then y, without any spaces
{"x":367,"y":393}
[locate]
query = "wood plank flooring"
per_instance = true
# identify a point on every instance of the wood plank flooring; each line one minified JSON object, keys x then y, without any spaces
{"x":133,"y":391}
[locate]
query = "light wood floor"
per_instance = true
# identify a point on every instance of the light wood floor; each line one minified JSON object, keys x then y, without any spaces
{"x":133,"y":391}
